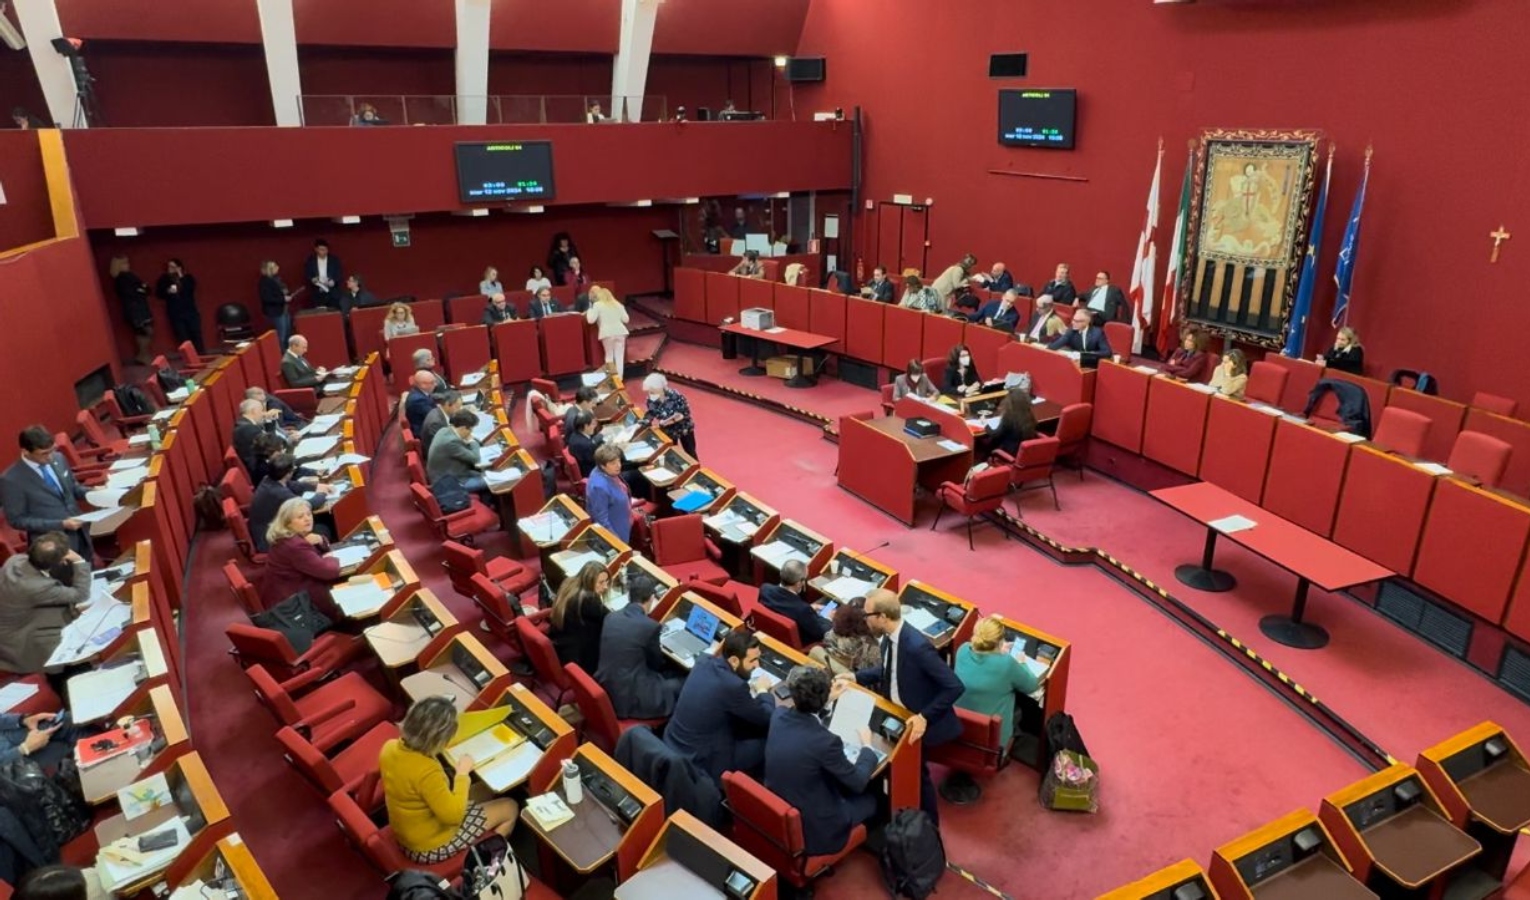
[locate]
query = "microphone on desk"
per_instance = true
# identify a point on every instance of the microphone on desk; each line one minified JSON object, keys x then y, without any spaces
{"x":876,"y":548}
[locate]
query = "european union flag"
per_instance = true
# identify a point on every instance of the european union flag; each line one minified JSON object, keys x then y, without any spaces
{"x":1296,"y":335}
{"x":1344,"y":276}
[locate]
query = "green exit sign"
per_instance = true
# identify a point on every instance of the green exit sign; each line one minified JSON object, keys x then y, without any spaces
{"x":400,"y":239}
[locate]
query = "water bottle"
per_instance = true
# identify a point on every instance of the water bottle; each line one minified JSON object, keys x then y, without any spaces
{"x":573,"y":785}
{"x":153,"y":437}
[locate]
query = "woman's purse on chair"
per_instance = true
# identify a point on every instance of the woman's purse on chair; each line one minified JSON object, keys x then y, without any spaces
{"x":491,"y":872}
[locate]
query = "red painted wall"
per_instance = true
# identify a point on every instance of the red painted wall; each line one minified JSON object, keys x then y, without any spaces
{"x":18,"y":84}
{"x":54,"y":288}
{"x":447,"y":255}
{"x":142,"y":84}
{"x":25,"y":216}
{"x":1426,"y":82}
{"x":232,"y":175}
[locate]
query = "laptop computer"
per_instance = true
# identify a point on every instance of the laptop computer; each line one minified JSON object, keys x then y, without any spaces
{"x":694,"y":639}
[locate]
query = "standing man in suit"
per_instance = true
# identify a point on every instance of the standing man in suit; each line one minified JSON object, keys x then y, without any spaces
{"x":1061,"y":286}
{"x":880,"y":288}
{"x":274,"y":301}
{"x":632,"y":667}
{"x":297,"y":371}
{"x":1107,"y":299}
{"x":1046,"y":324}
{"x":322,"y":270}
{"x":543,"y":304}
{"x":913,"y":675}
{"x":805,"y":765}
{"x":1000,"y":313}
{"x":40,"y":592}
{"x":721,"y":717}
{"x":786,"y":599}
{"x":40,"y":494}
{"x":1084,"y":337}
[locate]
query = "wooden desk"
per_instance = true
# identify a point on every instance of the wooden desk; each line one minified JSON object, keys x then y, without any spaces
{"x":801,"y":342}
{"x":1418,"y":845}
{"x":669,"y":467}
{"x":408,"y":627}
{"x":683,"y":853}
{"x":229,"y":858}
{"x":1030,"y":736}
{"x":1312,"y":559}
{"x":519,"y":497}
{"x":369,"y":533}
{"x":634,"y":566}
{"x":703,"y":480}
{"x":789,"y":540}
{"x":458,"y":666}
{"x":549,"y":739}
{"x":849,"y":564}
{"x":552,"y":523}
{"x":195,"y":798}
{"x":1313,"y":877}
{"x":598,"y":832}
{"x":1482,"y":781}
{"x":680,"y":608}
{"x":1161,"y":884}
{"x":1266,"y":864}
{"x":954,"y":617}
{"x":391,"y":567}
{"x":882,"y":465}
{"x":101,"y":782}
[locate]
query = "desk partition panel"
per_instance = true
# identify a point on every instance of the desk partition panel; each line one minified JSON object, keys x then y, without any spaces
{"x":1305,"y":477}
{"x":903,"y":338}
{"x":1383,"y":507}
{"x":826,"y":314}
{"x":1472,"y":548}
{"x":1120,"y":405}
{"x":1445,"y":417}
{"x":941,"y":333}
{"x":865,"y":330}
{"x":690,"y":294}
{"x":792,"y":310}
{"x":1176,"y":424}
{"x":722,"y":297}
{"x":1237,"y":446}
{"x":757,"y":292}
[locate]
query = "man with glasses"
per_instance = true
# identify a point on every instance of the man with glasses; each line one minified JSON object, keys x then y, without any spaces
{"x":1083,"y":337}
{"x":1107,"y":299}
{"x":913,"y":676}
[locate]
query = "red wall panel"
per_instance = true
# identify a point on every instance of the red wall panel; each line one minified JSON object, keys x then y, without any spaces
{"x":155,"y":85}
{"x":865,"y":326}
{"x":231,"y":21}
{"x":1120,"y":405}
{"x":1382,"y":510}
{"x":1176,"y":423}
{"x":1166,"y":74}
{"x":357,"y":170}
{"x":1306,"y":473}
{"x":1472,"y":548}
{"x":735,"y":28}
{"x":1236,"y":449}
{"x":26,"y":216}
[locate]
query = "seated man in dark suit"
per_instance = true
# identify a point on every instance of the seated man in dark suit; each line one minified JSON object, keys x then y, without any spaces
{"x":1083,"y":337}
{"x":1000,"y":313}
{"x":543,"y":304}
{"x":254,"y":420}
{"x":419,"y":401}
{"x":498,"y":310}
{"x":274,"y":490}
{"x":297,"y":371}
{"x":355,"y":295}
{"x":447,"y":403}
{"x":721,"y":718}
{"x":632,"y":668}
{"x":582,"y":441}
{"x":786,"y":599}
{"x":286,"y":417}
{"x":1108,"y":300}
{"x":998,"y":278}
{"x":880,"y":288}
{"x":805,"y":765}
{"x":913,"y":675}
{"x":1060,"y":288}
{"x":40,"y":495}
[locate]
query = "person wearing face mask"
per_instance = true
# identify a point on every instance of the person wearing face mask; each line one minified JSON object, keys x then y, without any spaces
{"x":668,"y":409}
{"x":962,"y":379}
{"x":40,"y":592}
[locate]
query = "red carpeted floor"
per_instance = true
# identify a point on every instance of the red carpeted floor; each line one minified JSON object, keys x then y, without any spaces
{"x":1192,"y":751}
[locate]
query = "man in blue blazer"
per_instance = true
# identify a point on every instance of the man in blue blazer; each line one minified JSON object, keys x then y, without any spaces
{"x":40,"y":495}
{"x":632,"y":668}
{"x":1000,"y":313}
{"x":543,"y":304}
{"x":913,"y":675}
{"x":720,"y":719}
{"x":1083,"y":337}
{"x":805,"y":765}
{"x":786,"y":599}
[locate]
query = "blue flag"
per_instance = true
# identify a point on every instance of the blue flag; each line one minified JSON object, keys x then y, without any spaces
{"x":1296,"y":336}
{"x":1344,"y":276}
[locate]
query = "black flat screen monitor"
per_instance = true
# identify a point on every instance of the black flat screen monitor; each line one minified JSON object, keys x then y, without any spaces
{"x":1038,"y":117}
{"x":505,"y":171}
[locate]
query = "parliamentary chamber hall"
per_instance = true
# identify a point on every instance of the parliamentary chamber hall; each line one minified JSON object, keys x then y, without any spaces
{"x":764,"y":449}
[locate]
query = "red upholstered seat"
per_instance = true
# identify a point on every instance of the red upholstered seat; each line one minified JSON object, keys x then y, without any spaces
{"x":1120,"y":334}
{"x":463,"y":562}
{"x":569,"y":467}
{"x":771,"y":831}
{"x":329,"y":653}
{"x":1032,"y":469}
{"x":240,"y":528}
{"x":192,"y":361}
{"x":1213,"y":360}
{"x":126,"y":424}
{"x":86,"y":466}
{"x":887,"y":399}
{"x":1072,"y":431}
{"x":601,"y":726}
{"x":243,"y":590}
{"x":1266,"y":382}
{"x":100,"y":444}
{"x":330,"y":713}
{"x":501,"y":610}
{"x":978,"y":751}
{"x":681,"y":548}
{"x":378,"y":844}
{"x":550,"y":673}
{"x":303,"y":401}
{"x":1500,"y":406}
{"x":235,"y":485}
{"x":347,"y":769}
{"x":1402,"y":431}
{"x":457,"y":526}
{"x":725,"y":596}
{"x":413,"y":466}
{"x":1519,"y":888}
{"x":1480,"y":457}
{"x":983,"y":493}
{"x":776,"y":625}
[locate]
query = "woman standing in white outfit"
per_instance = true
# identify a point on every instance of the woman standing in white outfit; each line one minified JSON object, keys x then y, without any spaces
{"x":609,"y":313}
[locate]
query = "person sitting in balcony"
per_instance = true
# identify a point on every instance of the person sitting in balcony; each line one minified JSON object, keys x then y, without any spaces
{"x":593,"y":114}
{"x":366,"y":114}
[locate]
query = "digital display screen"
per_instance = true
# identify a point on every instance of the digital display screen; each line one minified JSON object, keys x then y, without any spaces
{"x":1037,"y":117}
{"x":505,"y":171}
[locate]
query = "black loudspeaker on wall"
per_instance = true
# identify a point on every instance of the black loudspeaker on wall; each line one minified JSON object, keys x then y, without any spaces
{"x":805,"y":70}
{"x":1007,"y":65}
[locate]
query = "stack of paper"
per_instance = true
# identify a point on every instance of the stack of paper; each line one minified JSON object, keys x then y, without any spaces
{"x":471,"y":399}
{"x":919,"y":617}
{"x":572,"y":564}
{"x":350,"y":556}
{"x":127,"y":478}
{"x":549,"y":811}
{"x":98,"y":625}
{"x":496,"y":477}
{"x":948,"y":444}
{"x":847,"y":588}
{"x":660,"y":476}
{"x":723,"y":520}
{"x":1266,"y":409}
{"x":634,"y":452}
{"x":473,"y":378}
{"x":322,"y":424}
{"x":178,"y":395}
{"x":94,"y":695}
{"x":542,"y":528}
{"x":120,"y":863}
{"x":14,"y":694}
{"x":345,"y":371}
{"x":777,"y":553}
{"x":314,"y":447}
{"x":361,"y":596}
{"x":338,"y":387}
{"x":138,"y":440}
{"x":590,"y":379}
{"x":487,"y":456}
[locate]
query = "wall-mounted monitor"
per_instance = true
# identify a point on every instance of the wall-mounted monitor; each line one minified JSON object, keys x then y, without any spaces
{"x":504,"y":171}
{"x":1037,"y":117}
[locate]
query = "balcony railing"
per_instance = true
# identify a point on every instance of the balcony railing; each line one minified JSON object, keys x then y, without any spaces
{"x":500,"y":109}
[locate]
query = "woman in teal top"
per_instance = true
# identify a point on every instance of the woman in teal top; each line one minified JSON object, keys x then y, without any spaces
{"x":992,"y":677}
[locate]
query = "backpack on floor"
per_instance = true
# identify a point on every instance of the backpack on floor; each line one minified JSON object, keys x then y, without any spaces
{"x":133,"y":401}
{"x":913,"y":855}
{"x":208,"y":504}
{"x":491,"y":871}
{"x":415,"y":885}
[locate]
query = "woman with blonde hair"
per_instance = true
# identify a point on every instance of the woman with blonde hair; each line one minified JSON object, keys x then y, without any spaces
{"x":400,"y":322}
{"x":578,"y":614}
{"x":610,"y":315}
{"x":1231,"y":377}
{"x":993,"y":678}
{"x":133,"y":294}
{"x":1347,"y":355}
{"x":296,"y":560}
{"x":489,"y":285}
{"x":428,"y":809}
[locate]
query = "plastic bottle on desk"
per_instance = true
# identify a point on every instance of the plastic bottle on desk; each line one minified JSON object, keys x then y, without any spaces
{"x":153,"y":437}
{"x":573,"y":783}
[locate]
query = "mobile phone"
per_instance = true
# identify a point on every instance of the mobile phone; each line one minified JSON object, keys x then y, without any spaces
{"x":159,"y":840}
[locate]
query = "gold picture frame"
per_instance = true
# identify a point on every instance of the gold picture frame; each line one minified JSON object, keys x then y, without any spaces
{"x":1250,"y":210}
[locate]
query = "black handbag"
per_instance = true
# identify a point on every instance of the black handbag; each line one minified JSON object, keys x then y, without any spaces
{"x":52,"y":814}
{"x":297,"y":618}
{"x":450,"y":495}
